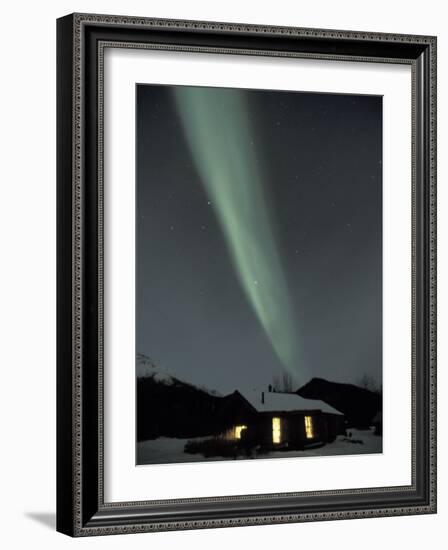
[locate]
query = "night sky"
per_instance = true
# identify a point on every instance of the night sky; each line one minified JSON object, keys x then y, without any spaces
{"x":258,"y":235}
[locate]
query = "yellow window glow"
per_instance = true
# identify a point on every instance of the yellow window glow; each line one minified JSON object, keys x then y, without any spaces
{"x":238,"y":430}
{"x":309,"y":427}
{"x":276,"y":430}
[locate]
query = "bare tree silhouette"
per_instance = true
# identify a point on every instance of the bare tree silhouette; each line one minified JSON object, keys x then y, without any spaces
{"x":283,"y":383}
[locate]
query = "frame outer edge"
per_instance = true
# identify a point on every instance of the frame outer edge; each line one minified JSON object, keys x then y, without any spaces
{"x":433,"y":275}
{"x":65,"y":370}
{"x":225,"y":27}
{"x":70,"y":515}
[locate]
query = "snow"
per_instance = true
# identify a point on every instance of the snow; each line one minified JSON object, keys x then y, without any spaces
{"x":343,"y":445}
{"x":277,"y":401}
{"x":166,"y":450}
{"x":162,"y":377}
{"x":147,"y":369}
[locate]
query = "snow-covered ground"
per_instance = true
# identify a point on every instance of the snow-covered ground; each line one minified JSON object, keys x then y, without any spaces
{"x":167,"y":450}
{"x":361,"y":442}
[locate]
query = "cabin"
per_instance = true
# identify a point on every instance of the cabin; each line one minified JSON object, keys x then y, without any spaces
{"x":278,"y":420}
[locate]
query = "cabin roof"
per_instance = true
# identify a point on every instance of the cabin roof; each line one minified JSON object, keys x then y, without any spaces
{"x":285,"y":402}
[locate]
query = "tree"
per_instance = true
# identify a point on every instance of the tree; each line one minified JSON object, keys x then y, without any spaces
{"x":287,"y":382}
{"x":283,"y":383}
{"x":276,"y":383}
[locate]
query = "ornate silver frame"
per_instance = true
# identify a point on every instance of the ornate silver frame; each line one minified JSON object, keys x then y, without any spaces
{"x":82,"y":39}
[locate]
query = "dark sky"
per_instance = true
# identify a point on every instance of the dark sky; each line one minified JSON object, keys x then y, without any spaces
{"x":320,"y":156}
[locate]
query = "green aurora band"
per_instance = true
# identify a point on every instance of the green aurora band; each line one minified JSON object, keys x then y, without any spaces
{"x":217,"y":128}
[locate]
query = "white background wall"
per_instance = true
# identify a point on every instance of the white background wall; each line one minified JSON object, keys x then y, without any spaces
{"x":27,"y":303}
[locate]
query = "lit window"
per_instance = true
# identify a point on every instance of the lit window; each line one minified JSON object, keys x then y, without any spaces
{"x":276,"y":430}
{"x":309,"y":427}
{"x":238,"y":430}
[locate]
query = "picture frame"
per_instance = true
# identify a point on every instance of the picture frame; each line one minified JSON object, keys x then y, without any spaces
{"x":82,"y":509}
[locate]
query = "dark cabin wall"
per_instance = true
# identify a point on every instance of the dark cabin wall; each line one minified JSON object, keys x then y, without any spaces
{"x":326,"y":427}
{"x":292,"y":429}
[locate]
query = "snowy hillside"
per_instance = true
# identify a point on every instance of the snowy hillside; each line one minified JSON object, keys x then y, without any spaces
{"x":170,"y":407}
{"x":147,"y":369}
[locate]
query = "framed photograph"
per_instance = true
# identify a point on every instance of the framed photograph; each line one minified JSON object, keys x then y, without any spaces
{"x":246,"y":274}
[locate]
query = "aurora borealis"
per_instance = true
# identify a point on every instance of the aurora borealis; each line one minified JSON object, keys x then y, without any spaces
{"x":223,"y":145}
{"x":258,"y":235}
